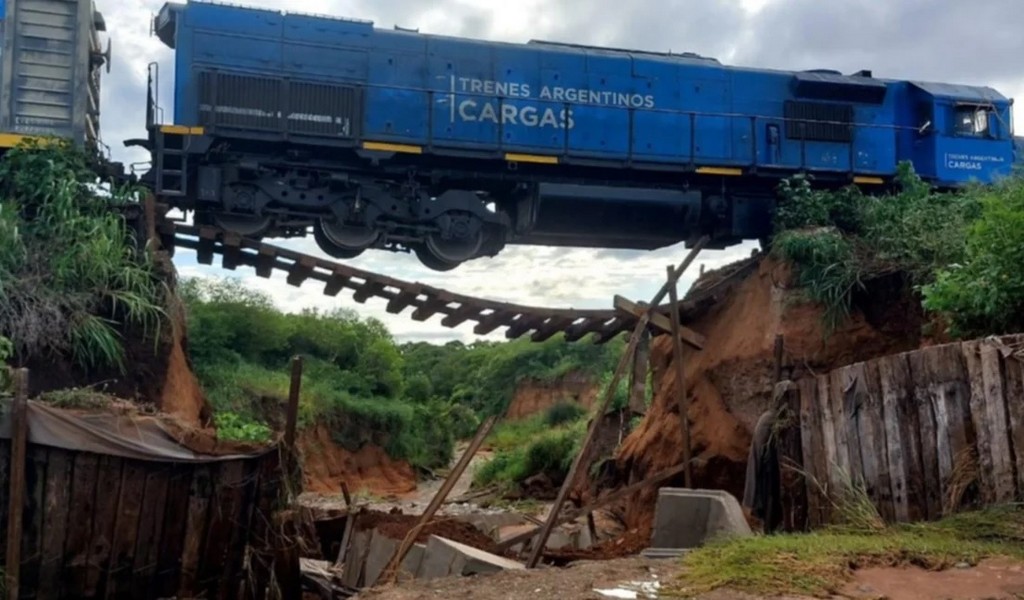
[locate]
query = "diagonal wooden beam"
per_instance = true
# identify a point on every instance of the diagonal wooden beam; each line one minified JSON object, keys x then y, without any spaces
{"x":660,"y":321}
{"x":624,"y":361}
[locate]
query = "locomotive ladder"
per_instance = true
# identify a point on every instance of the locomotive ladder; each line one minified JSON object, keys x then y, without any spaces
{"x":428,"y":301}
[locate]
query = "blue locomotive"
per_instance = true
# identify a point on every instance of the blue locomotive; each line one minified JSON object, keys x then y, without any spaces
{"x":453,"y":148}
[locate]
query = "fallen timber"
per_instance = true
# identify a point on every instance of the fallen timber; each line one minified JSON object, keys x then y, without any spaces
{"x":427,"y":301}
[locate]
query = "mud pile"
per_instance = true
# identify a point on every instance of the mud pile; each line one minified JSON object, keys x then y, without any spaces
{"x":730,"y":380}
{"x":325,"y":464}
{"x":396,"y":526}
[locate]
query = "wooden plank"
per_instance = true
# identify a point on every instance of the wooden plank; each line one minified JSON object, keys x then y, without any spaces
{"x":813,"y":444}
{"x":997,"y":417}
{"x":980,"y":421}
{"x":846,"y":399}
{"x":84,"y":481}
{"x":260,"y":540}
{"x":172,"y":534}
{"x":660,"y":321}
{"x":682,"y":402}
{"x":831,"y":479}
{"x":292,"y":416}
{"x":225,"y":503}
{"x":791,"y":458}
{"x":147,"y":545}
{"x":874,"y":454}
{"x":33,"y":519}
{"x":126,"y":530}
{"x":1014,"y":367}
{"x":16,"y":485}
{"x":949,"y":392}
{"x":195,"y":530}
{"x":246,"y":490}
{"x":892,"y":376}
{"x":108,"y":494}
{"x":638,"y":376}
{"x":925,"y":389}
{"x":58,"y":506}
{"x":5,"y":465}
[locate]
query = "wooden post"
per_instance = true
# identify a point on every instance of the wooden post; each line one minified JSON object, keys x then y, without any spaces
{"x":293,"y":404}
{"x":681,"y":398}
{"x":19,"y":441}
{"x":346,"y":494}
{"x":638,"y":387}
{"x":624,"y":361}
{"x":390,"y":572}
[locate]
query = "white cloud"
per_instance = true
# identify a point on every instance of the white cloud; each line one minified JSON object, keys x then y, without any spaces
{"x":764,"y":33}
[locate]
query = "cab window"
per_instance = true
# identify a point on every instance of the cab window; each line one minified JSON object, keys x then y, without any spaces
{"x":972,"y":121}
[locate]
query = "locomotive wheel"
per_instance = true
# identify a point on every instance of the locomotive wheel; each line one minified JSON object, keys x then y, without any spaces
{"x":430,"y":260}
{"x":332,"y":240}
{"x":455,"y":250}
{"x":243,"y":225}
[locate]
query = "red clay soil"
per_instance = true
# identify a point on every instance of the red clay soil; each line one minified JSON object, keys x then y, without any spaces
{"x":397,"y":526}
{"x":533,"y":397}
{"x":181,"y":395}
{"x":325,"y":464}
{"x":729,"y":382}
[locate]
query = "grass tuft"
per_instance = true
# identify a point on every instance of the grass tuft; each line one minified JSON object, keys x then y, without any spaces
{"x":821,"y":563}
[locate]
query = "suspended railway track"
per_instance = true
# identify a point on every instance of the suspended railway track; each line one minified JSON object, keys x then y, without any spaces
{"x":426,"y":301}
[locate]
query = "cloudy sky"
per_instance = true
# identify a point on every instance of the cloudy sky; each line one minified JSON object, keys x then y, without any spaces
{"x":970,"y":42}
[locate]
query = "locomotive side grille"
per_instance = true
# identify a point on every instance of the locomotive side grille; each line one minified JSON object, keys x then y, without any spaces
{"x":322,"y":109}
{"x":819,"y":122}
{"x":266,"y":104}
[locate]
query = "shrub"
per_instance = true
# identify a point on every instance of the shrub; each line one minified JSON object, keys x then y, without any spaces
{"x":70,"y":277}
{"x":564,"y":412}
{"x":983,"y":293}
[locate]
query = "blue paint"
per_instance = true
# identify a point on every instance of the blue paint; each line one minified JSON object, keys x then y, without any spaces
{"x":580,"y":102}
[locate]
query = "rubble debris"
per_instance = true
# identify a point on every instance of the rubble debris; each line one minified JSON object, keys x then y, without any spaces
{"x":443,"y":558}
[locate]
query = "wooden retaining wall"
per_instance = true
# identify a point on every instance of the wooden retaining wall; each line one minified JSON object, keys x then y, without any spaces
{"x":923,"y":431}
{"x":98,"y":526}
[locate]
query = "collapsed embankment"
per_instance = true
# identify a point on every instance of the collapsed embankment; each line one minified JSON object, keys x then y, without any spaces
{"x":533,"y":397}
{"x":729,"y":382}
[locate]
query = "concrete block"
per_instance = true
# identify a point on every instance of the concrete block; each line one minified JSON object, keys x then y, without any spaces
{"x":686,"y":518}
{"x":382,"y":548}
{"x":411,"y":562}
{"x":443,"y":558}
{"x":352,"y":570}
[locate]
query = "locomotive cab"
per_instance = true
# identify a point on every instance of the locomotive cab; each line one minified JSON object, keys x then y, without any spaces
{"x":964,"y":134}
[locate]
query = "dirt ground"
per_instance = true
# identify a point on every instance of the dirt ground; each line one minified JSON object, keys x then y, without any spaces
{"x":643,"y":578}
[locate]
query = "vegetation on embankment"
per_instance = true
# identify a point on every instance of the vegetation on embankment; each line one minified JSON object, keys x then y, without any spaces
{"x":72,"y":280}
{"x":961,"y":251}
{"x":413,"y":400}
{"x":821,"y":563}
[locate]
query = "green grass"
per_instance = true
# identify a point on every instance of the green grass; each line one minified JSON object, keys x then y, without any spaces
{"x":532,"y":447}
{"x":820,"y":563}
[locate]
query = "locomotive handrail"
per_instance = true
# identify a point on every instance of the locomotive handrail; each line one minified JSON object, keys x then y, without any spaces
{"x":425,"y":300}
